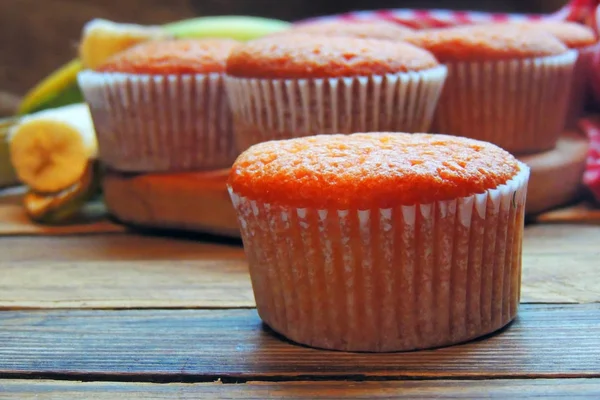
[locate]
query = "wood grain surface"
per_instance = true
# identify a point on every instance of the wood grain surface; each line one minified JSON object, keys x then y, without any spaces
{"x":14,"y":221}
{"x":584,"y":213}
{"x":515,"y":389}
{"x":561,"y":264}
{"x":555,"y":178}
{"x":120,"y":271}
{"x":546,"y":341}
{"x":195,"y":201}
{"x":120,"y":306}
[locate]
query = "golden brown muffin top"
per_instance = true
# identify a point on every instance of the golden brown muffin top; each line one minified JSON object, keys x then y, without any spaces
{"x":369,"y":170}
{"x":357,"y":29}
{"x":308,"y":56}
{"x":180,"y":56}
{"x":486,"y":42}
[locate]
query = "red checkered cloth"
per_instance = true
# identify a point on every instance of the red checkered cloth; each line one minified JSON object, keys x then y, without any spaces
{"x":582,"y":11}
{"x":591,"y":176}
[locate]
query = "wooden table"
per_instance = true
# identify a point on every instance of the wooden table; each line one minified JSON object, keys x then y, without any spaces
{"x":100,"y":312}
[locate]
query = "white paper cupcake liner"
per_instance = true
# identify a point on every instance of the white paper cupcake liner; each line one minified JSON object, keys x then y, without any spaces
{"x":519,"y":105}
{"x":403,"y":278}
{"x":266,"y":109}
{"x":580,"y":84}
{"x":160,"y":123}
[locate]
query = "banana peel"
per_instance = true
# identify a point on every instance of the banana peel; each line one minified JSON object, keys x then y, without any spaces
{"x":236,"y":27}
{"x":60,"y":88}
{"x":102,"y":38}
{"x":57,"y":89}
{"x":64,"y":206}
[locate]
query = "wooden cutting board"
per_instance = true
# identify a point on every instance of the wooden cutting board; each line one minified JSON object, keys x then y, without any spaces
{"x":187,"y":201}
{"x":199,"y":202}
{"x":556,"y":174}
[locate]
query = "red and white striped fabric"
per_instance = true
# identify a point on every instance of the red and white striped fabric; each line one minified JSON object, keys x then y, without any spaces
{"x":586,"y":12}
{"x":577,"y":11}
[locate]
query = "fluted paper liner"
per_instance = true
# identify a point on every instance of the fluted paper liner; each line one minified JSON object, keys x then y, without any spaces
{"x":580,"y":84}
{"x":403,"y":278}
{"x":519,"y":105}
{"x":266,"y":109}
{"x":165,"y":123}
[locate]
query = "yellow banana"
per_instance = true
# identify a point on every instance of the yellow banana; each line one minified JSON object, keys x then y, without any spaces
{"x":102,"y":38}
{"x":50,"y":149}
{"x":57,"y":89}
{"x":53,"y":151}
{"x":240,"y":28}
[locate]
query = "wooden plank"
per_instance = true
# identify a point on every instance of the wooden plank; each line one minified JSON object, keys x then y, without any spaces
{"x":118,"y":247}
{"x":121,"y":271}
{"x":14,"y":221}
{"x":560,"y":266}
{"x":559,"y":239}
{"x":515,"y":389}
{"x":558,"y":341}
{"x":208,"y":282}
{"x":584,"y":213}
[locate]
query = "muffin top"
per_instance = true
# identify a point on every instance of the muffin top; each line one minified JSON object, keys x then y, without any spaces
{"x":369,"y":170}
{"x":296,"y":56}
{"x":571,"y":34}
{"x":357,"y":29}
{"x":181,"y":56}
{"x":486,"y":42}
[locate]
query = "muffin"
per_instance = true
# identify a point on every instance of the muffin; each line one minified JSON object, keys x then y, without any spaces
{"x":506,"y":86}
{"x":357,"y":29}
{"x":300,"y":85}
{"x":161,"y":106}
{"x":381,"y":241}
{"x":582,"y":39}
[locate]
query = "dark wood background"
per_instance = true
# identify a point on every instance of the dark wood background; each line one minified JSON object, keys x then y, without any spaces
{"x":37,"y":36}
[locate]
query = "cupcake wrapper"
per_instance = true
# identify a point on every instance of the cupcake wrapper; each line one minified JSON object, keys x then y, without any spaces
{"x":266,"y":109}
{"x":160,"y":123}
{"x":519,"y":105}
{"x":580,"y":90}
{"x":409,"y":277}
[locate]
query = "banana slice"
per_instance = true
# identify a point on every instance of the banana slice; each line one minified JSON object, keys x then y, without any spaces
{"x":50,"y":149}
{"x":102,"y":38}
